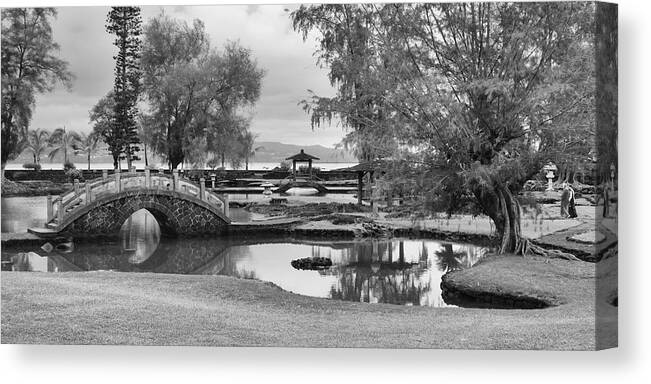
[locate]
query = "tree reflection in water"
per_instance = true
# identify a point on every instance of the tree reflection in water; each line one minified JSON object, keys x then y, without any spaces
{"x":465,"y":257}
{"x":369,"y":273}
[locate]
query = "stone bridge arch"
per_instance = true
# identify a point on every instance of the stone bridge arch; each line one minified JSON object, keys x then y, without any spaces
{"x":176,"y":213}
{"x":320,"y":188}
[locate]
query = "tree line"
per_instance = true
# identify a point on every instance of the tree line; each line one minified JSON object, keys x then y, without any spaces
{"x":173,"y":96}
{"x":64,"y":142}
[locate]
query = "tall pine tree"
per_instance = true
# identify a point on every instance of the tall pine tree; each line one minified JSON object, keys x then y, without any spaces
{"x":122,"y":138}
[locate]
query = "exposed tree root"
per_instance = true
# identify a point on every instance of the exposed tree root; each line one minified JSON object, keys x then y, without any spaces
{"x":505,"y":211}
{"x":527,"y":247}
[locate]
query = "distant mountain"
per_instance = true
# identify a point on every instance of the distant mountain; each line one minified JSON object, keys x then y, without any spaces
{"x":272,"y":151}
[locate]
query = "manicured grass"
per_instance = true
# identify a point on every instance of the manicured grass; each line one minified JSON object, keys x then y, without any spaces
{"x":158,"y":309}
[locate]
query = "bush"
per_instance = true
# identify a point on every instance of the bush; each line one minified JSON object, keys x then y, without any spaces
{"x":195,"y":174}
{"x":68,"y":165}
{"x":305,"y":169}
{"x":534,"y":185}
{"x":34,"y":166}
{"x":72,"y":174}
{"x":285,"y":165}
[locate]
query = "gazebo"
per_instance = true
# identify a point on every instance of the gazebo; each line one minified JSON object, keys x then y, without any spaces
{"x":302,"y":157}
{"x":361,"y":169}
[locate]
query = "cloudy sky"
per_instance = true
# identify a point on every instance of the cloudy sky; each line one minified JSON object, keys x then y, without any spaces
{"x":265,"y":29}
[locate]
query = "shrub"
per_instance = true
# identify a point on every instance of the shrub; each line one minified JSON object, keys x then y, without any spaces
{"x":285,"y":165}
{"x":34,"y":166}
{"x":68,"y":165}
{"x":305,"y":169}
{"x":72,"y":174}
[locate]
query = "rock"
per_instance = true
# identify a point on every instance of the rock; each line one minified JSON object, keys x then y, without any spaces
{"x":373,"y":229}
{"x":47,"y":247}
{"x":312,"y":263}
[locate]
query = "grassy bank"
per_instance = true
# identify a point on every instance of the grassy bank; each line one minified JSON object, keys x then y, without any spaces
{"x":157,"y":309}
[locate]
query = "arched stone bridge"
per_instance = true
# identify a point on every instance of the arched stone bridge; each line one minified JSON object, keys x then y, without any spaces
{"x":322,"y":190}
{"x":101,"y":206}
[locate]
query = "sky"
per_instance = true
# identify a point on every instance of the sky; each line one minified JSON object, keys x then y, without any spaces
{"x":291,"y":68}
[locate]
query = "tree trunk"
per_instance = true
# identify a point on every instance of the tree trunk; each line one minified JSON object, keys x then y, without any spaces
{"x":504,"y":209}
{"x":175,"y":161}
{"x":89,"y":160}
{"x":128,"y":157}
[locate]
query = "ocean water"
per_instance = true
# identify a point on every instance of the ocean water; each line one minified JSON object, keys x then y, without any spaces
{"x":252,"y":166}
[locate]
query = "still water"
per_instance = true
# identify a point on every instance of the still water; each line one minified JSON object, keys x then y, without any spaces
{"x":405,"y":272}
{"x":20,"y":213}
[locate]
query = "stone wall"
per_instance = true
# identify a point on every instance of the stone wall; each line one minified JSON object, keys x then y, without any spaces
{"x":58,"y":176}
{"x":176,"y":214}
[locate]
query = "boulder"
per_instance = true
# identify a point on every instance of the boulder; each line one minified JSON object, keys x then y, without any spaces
{"x":312,"y":263}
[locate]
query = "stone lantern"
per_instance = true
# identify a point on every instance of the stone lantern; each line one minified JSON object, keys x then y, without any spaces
{"x":213,"y":176}
{"x":550,"y":168}
{"x":267,"y":189}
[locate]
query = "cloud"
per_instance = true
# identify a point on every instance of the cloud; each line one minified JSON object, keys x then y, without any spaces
{"x":266,"y":29}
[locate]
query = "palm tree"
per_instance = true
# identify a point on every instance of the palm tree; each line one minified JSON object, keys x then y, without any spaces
{"x":87,"y":145}
{"x":448,"y":260}
{"x":248,"y":139}
{"x":37,"y":143}
{"x":63,"y":141}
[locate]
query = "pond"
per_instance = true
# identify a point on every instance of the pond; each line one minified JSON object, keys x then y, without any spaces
{"x":395,"y":271}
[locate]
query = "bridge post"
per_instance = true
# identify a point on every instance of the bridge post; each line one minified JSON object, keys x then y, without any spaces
{"x":50,"y":208}
{"x":227,"y":210}
{"x":176,"y":180}
{"x":76,"y":183}
{"x":60,"y":212}
{"x":104,"y":174}
{"x":202,"y":188}
{"x":360,"y":187}
{"x":88,"y":196}
{"x":118,"y":187}
{"x":147,"y":179}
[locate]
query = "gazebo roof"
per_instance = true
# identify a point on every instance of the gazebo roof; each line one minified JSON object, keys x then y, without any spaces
{"x":302,"y":156}
{"x":366,"y":166}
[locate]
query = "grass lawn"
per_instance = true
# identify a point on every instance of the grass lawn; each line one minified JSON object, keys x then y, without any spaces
{"x":161,"y":309}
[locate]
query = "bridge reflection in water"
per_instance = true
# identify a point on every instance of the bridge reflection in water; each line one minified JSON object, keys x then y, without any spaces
{"x":405,"y":272}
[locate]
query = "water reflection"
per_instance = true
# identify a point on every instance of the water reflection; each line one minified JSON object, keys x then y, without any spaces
{"x":140,"y":236}
{"x":33,"y":262}
{"x":405,"y":272}
{"x":19,"y":213}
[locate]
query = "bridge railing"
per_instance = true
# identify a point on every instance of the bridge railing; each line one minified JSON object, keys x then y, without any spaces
{"x":59,"y":206}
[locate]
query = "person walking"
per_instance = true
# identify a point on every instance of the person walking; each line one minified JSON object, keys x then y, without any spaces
{"x":572,"y":203}
{"x":565,"y":201}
